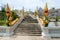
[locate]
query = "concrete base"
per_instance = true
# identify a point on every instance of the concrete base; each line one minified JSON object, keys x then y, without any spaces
{"x":51,"y":30}
{"x":8,"y":31}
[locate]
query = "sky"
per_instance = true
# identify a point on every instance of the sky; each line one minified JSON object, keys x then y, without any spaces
{"x":30,"y":4}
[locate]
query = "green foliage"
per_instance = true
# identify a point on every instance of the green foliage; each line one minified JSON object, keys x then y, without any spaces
{"x":14,"y":15}
{"x":2,"y":13}
{"x":2,"y":23}
{"x":2,"y":9}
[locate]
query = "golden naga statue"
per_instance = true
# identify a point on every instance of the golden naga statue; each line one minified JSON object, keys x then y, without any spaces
{"x":22,"y":12}
{"x":42,"y":21}
{"x":9,"y":17}
{"x":35,"y":13}
{"x":45,"y":20}
{"x":45,"y":14}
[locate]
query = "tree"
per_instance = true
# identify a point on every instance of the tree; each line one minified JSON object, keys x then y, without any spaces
{"x":2,"y":13}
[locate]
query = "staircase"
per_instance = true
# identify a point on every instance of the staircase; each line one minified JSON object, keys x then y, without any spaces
{"x":29,"y":19}
{"x":29,"y":26}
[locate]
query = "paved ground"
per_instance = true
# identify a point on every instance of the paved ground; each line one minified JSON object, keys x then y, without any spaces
{"x":27,"y":38}
{"x":21,"y":38}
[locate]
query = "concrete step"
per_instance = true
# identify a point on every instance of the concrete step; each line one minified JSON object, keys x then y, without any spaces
{"x":28,"y":29}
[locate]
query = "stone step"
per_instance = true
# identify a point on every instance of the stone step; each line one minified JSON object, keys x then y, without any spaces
{"x":29,"y":26}
{"x":28,"y":29}
{"x":23,"y":34}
